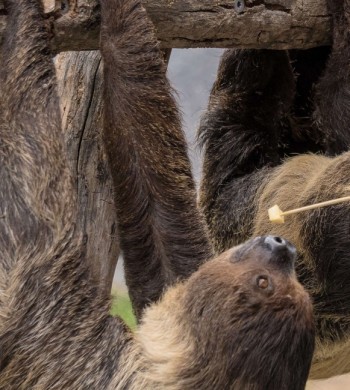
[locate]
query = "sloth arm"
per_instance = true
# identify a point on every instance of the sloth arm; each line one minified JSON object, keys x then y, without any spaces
{"x":163,"y":236}
{"x":240,"y":132}
{"x":36,"y":197}
{"x":53,"y":319}
{"x":332,"y":114}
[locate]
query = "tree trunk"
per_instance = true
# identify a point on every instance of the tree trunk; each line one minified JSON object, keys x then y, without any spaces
{"x":274,"y":24}
{"x":80,"y":90}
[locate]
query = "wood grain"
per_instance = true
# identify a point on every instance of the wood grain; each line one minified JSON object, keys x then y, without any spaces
{"x":80,"y":91}
{"x":277,"y":24}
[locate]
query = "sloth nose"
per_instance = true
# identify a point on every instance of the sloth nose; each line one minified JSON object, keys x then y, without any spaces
{"x":275,"y":242}
{"x":281,"y":249}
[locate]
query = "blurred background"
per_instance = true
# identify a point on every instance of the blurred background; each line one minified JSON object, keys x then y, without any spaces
{"x":192,"y":73}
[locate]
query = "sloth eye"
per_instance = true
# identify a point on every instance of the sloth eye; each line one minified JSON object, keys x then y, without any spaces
{"x":262,"y":282}
{"x":239,"y":6}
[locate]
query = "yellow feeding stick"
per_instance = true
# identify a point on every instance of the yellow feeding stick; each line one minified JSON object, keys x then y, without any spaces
{"x":276,"y":215}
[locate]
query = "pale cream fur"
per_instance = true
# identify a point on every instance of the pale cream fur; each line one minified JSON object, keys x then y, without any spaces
{"x":161,"y":343}
{"x":165,"y":341}
{"x":330,"y":358}
{"x":304,"y":173}
{"x":341,"y":382}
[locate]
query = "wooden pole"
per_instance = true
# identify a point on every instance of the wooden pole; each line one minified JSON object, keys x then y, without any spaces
{"x":80,"y":79}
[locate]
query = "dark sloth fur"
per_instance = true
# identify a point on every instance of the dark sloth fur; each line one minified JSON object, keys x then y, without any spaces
{"x":209,"y":324}
{"x":268,"y":111}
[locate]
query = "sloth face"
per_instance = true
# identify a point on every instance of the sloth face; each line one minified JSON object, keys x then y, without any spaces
{"x":256,"y":276}
{"x":251,"y":314}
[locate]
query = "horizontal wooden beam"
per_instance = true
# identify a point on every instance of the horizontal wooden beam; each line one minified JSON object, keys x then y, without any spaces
{"x":274,"y":24}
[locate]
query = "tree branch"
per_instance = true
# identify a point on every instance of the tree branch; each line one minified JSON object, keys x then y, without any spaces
{"x":274,"y":24}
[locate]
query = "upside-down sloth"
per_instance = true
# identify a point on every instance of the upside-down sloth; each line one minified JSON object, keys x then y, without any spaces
{"x":275,"y":131}
{"x":238,"y":321}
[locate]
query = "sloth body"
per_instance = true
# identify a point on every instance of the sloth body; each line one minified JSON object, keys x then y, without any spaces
{"x":265,"y":108}
{"x":322,"y":241}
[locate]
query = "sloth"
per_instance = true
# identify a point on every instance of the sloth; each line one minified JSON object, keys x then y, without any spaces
{"x":277,"y":131}
{"x":240,"y":320}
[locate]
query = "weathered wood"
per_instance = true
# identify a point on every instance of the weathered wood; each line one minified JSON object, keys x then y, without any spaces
{"x":277,"y":24}
{"x":80,"y":90}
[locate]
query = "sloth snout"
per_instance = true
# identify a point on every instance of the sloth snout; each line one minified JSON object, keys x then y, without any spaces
{"x":282,"y":251}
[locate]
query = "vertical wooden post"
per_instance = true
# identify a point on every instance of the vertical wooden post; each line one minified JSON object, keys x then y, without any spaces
{"x":80,"y":91}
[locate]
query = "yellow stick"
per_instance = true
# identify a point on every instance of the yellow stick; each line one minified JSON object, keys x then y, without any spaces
{"x":317,"y":205}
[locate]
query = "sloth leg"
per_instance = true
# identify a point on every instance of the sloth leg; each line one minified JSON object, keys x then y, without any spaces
{"x":242,"y":133}
{"x":162,"y":233}
{"x":332,"y":96}
{"x":36,"y":192}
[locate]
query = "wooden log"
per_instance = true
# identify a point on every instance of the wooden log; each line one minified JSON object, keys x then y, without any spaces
{"x":80,"y":90}
{"x":274,"y":24}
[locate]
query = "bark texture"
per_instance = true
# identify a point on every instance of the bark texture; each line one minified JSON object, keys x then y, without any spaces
{"x":80,"y":91}
{"x":277,"y":24}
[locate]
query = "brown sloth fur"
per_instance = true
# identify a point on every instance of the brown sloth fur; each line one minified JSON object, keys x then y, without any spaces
{"x":239,"y":321}
{"x":265,"y":108}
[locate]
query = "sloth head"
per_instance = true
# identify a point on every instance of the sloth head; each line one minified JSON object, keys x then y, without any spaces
{"x":241,"y":320}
